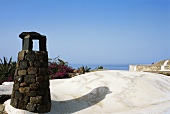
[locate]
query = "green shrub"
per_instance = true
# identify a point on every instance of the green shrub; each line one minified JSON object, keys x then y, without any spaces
{"x":87,"y":69}
{"x":100,"y":67}
{"x":7,"y":70}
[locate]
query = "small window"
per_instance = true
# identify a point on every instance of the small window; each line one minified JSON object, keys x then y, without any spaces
{"x":35,"y":45}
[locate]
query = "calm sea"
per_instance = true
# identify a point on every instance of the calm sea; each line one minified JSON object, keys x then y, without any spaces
{"x":106,"y":66}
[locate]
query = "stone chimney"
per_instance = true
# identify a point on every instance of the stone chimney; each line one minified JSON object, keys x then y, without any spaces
{"x":31,"y":80}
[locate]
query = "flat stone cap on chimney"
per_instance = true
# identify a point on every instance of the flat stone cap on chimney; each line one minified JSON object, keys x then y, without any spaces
{"x":32,"y":35}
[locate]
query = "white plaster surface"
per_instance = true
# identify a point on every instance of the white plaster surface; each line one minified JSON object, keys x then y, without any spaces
{"x":165,"y":64}
{"x":108,"y":92}
{"x":135,"y":68}
{"x":6,"y":88}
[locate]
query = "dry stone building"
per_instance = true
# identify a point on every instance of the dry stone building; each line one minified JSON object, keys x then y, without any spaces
{"x":31,"y":82}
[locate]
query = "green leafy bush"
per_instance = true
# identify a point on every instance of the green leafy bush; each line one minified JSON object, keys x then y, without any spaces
{"x":7,"y":70}
{"x":100,"y":67}
{"x":87,"y":69}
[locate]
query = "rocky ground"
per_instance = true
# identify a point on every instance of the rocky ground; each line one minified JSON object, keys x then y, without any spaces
{"x":3,"y":98}
{"x":2,"y":107}
{"x":166,"y":73}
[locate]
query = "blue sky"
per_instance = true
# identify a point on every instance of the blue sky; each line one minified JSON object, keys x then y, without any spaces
{"x":90,"y":31}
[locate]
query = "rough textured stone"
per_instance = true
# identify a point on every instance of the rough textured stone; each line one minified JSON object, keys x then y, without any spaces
{"x":23,"y":65}
{"x":31,"y":63}
{"x":30,"y":56}
{"x":34,"y":86}
{"x":42,"y":43}
{"x":24,"y":89}
{"x":16,"y":86}
{"x":31,"y":94}
{"x":18,"y":95}
{"x":31,"y":82}
{"x":29,"y":79}
{"x":33,"y":35}
{"x":40,"y":92}
{"x":26,"y":98}
{"x":45,"y":64}
{"x":37,"y":64}
{"x":21,"y":55}
{"x":41,"y":109}
{"x":13,"y":94}
{"x":16,"y":72}
{"x":2,"y":107}
{"x":32,"y":70}
{"x":30,"y":52}
{"x":44,"y":85}
{"x":27,"y":89}
{"x":48,"y":107}
{"x":22,"y":72}
{"x":22,"y":105}
{"x":17,"y":65}
{"x":46,"y":98}
{"x":27,"y":44}
{"x":23,"y":84}
{"x":46,"y":78}
{"x":31,"y":107}
{"x":39,"y":78}
{"x":36,"y":100}
{"x":42,"y":71}
{"x":39,"y":56}
{"x":14,"y":102}
{"x":18,"y":79}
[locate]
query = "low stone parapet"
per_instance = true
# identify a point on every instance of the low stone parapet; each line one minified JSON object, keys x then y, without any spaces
{"x":148,"y":68}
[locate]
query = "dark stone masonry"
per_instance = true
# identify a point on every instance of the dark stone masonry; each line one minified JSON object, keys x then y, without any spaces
{"x":31,"y":82}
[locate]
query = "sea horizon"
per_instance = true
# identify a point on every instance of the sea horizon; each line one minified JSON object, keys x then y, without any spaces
{"x":105,"y":66}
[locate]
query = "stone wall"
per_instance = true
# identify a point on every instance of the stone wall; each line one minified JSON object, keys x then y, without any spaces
{"x":31,"y":80}
{"x":148,"y":68}
{"x":167,"y":68}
